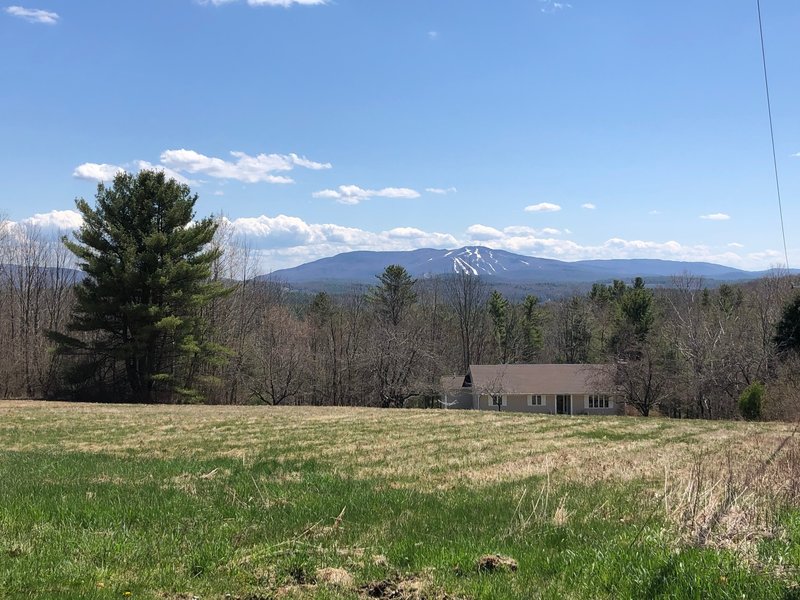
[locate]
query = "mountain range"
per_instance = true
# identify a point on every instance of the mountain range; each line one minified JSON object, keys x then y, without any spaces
{"x":499,"y":266}
{"x":513,"y":274}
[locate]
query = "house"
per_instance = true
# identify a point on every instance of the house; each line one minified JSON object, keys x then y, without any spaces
{"x":549,"y":389}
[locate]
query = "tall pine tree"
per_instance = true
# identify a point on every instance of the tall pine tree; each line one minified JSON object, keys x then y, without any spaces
{"x":532,"y":328}
{"x":147,"y":265}
{"x":498,"y":310}
{"x":395,"y":295}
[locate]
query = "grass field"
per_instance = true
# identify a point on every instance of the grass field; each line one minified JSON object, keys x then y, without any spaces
{"x":259,"y":503}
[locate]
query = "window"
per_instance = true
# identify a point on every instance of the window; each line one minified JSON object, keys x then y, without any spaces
{"x":535,"y":400}
{"x":497,"y":400}
{"x":600,"y":401}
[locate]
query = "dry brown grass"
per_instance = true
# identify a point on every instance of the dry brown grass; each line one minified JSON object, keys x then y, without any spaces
{"x":428,"y":449}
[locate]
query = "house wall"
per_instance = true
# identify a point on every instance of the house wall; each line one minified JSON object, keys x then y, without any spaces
{"x":458,"y":399}
{"x":580,"y":406}
{"x":519,"y":403}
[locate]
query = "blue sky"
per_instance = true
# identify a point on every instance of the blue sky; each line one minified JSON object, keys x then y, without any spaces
{"x":589,"y":129}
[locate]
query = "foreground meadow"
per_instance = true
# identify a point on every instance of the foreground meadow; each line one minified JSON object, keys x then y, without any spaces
{"x":115,"y":501}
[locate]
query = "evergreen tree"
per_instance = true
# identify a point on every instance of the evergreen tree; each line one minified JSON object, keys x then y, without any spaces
{"x":320,"y":309}
{"x":498,"y":310}
{"x":787,"y":335}
{"x":532,"y":328}
{"x":634,"y":318}
{"x":637,"y":309}
{"x":147,"y":267}
{"x":395,"y":294}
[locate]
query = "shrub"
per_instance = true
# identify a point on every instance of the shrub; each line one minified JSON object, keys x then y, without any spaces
{"x":750,"y":401}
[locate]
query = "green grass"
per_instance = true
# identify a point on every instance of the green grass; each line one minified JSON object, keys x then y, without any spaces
{"x":616,"y":436}
{"x":85,"y":512}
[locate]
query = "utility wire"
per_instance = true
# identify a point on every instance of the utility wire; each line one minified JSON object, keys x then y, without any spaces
{"x":772,"y":131}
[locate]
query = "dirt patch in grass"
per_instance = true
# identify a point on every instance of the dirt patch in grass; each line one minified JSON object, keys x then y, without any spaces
{"x":400,"y":588}
{"x":491,"y":563}
{"x":334,"y":577}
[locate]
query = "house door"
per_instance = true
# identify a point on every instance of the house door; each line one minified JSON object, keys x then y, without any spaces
{"x":563,"y":404}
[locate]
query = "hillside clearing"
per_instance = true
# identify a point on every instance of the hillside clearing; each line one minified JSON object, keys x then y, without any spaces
{"x":256,"y":502}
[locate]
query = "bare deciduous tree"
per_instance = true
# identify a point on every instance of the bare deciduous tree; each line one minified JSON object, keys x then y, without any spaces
{"x":467,"y":295}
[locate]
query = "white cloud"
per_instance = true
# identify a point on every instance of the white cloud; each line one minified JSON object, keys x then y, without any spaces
{"x":654,"y":212}
{"x":405,"y":233}
{"x":588,"y":206}
{"x":716,"y":217}
{"x":276,"y":232}
{"x":219,"y":193}
{"x":484,"y":232}
{"x":543,"y":207}
{"x":551,"y":6}
{"x":441,"y":191}
{"x":286,"y":3}
{"x":543,"y":244}
{"x":302,"y":161}
{"x":285,"y":241}
{"x":175,"y":163}
{"x":56,"y":219}
{"x":433,"y":35}
{"x":796,"y":155}
{"x":768,"y":258}
{"x":736,"y":245}
{"x":96,"y":171}
{"x":246,"y":168}
{"x":143,"y":165}
{"x":282,"y":3}
{"x":352,"y":194}
{"x":34,"y":15}
{"x":516,"y":230}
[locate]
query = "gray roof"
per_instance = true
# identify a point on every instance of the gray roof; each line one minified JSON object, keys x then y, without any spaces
{"x":451,"y":383}
{"x":540,"y":379}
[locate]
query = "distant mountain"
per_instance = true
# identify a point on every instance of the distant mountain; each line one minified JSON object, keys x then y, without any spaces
{"x":46,"y":274}
{"x":500,"y":266}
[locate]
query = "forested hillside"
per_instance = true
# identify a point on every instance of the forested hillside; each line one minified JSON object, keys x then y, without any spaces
{"x":702,"y":347}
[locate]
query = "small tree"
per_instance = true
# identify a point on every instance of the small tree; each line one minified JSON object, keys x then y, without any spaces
{"x":495,"y":390}
{"x":646,"y":381}
{"x":751,"y":400}
{"x":147,"y":267}
{"x":278,"y":369}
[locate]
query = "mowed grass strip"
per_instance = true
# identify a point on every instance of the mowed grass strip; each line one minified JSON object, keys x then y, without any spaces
{"x":216,"y":502}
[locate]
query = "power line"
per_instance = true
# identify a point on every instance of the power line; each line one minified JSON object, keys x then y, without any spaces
{"x":772,"y":132}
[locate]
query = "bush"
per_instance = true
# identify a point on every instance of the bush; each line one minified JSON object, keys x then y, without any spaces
{"x":750,"y":401}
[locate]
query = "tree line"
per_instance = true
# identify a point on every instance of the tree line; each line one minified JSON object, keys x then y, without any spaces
{"x":167,"y":308}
